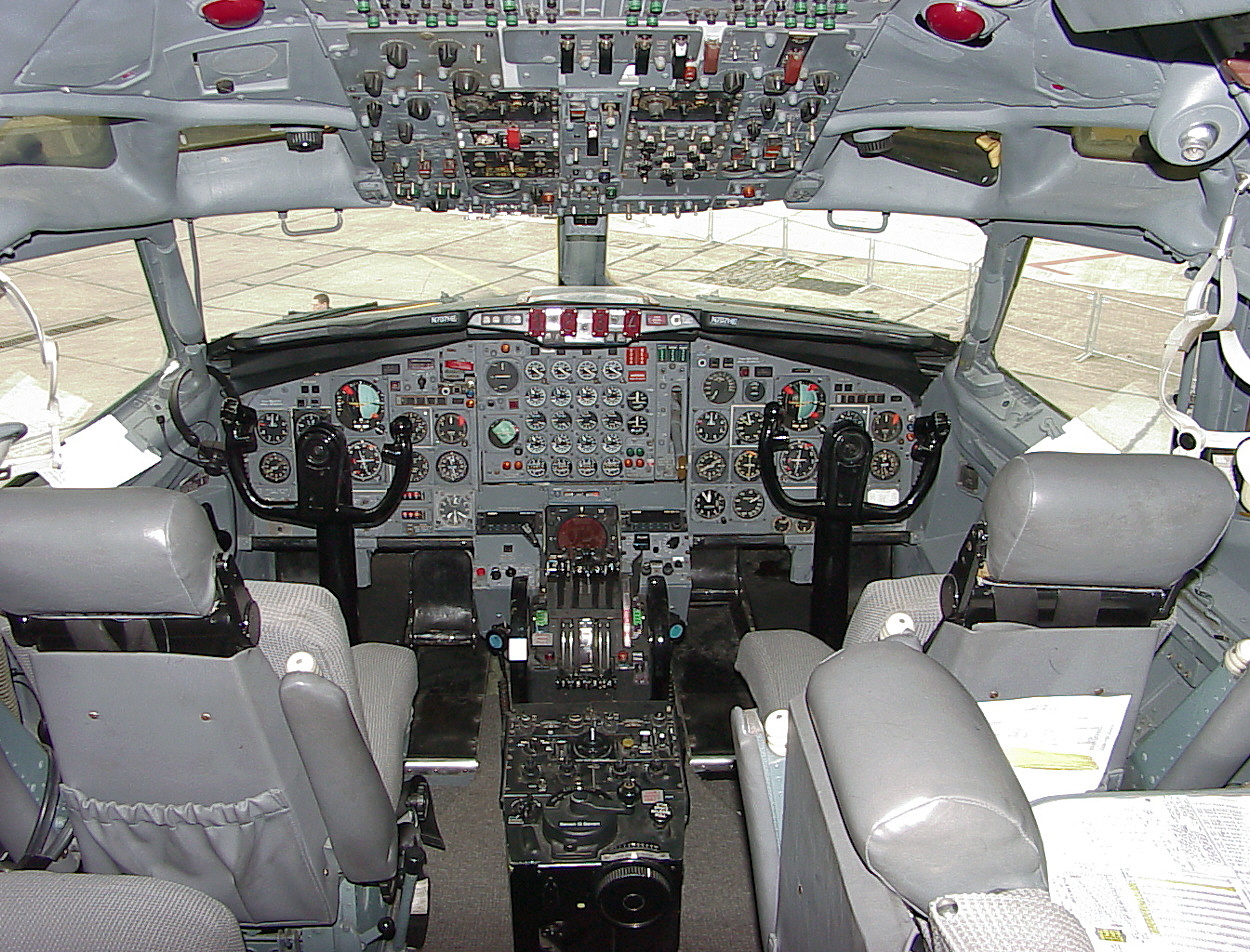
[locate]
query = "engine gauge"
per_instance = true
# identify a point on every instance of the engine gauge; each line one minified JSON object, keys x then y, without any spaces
{"x":271,"y":427}
{"x":451,"y":467}
{"x":502,"y":433}
{"x":611,"y":444}
{"x":711,"y":426}
{"x":366,"y":460}
{"x":886,"y":426}
{"x":747,"y":465}
{"x":612,"y":466}
{"x":637,"y":425}
{"x":535,"y":396}
{"x":561,"y":421}
{"x":420,"y":429}
{"x":748,"y":503}
{"x":561,"y":370}
{"x":536,"y":421}
{"x":612,"y":369}
{"x":710,"y":466}
{"x":451,"y":428}
{"x":802,"y":404}
{"x":274,"y":468}
{"x":587,"y":396}
{"x":719,"y":386}
{"x":637,"y":400}
{"x":536,"y":468}
{"x":587,"y":467}
{"x":613,"y":396}
{"x":613,"y":421}
{"x":454,"y":511}
{"x":536,"y":444}
{"x":747,"y":427}
{"x":588,"y":420}
{"x":884,"y":464}
{"x":587,"y":370}
{"x":562,"y":467}
{"x":359,"y":405}
{"x":502,"y":375}
{"x":586,"y":443}
{"x":798,"y":461}
{"x":708,"y":504}
{"x":306,"y":418}
{"x":420,"y":468}
{"x":561,"y":443}
{"x":754,"y":390}
{"x":854,"y":416}
{"x":535,"y":370}
{"x":561,"y":396}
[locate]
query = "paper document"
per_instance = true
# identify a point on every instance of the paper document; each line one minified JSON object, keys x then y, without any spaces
{"x":99,"y":456}
{"x":25,"y":400}
{"x":1152,"y":872}
{"x":1058,"y":745}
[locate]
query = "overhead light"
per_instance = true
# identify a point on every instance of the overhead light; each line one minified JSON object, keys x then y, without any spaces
{"x":232,"y":14}
{"x":955,"y":21}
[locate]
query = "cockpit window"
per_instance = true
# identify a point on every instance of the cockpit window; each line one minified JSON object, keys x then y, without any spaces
{"x":81,"y":142}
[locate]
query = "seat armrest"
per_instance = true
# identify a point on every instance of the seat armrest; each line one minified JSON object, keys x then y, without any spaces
{"x":354,"y":804}
{"x":1022,"y":919}
{"x":387,"y":676}
{"x":776,"y":665}
{"x":929,"y":800}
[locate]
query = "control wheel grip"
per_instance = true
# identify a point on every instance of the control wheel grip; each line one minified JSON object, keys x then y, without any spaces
{"x":634,"y":895}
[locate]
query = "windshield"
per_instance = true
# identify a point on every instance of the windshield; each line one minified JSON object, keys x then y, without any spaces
{"x":919,"y":271}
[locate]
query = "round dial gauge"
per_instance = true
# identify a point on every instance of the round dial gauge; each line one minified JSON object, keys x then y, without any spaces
{"x":587,"y":467}
{"x":502,"y":375}
{"x":588,"y":420}
{"x":884,"y":464}
{"x":587,"y":370}
{"x":710,"y":466}
{"x":536,"y":444}
{"x":274,"y":468}
{"x":637,"y":400}
{"x":562,"y":467}
{"x":535,"y":396}
{"x":754,"y":390}
{"x":611,"y":444}
{"x":561,"y":370}
{"x":359,"y":405}
{"x":748,"y":503}
{"x":502,"y":433}
{"x":306,"y":419}
{"x":747,"y":465}
{"x":561,"y":396}
{"x":612,"y":466}
{"x":561,"y":421}
{"x":802,"y":404}
{"x":613,"y":421}
{"x":719,"y":386}
{"x":708,"y":504}
{"x":271,"y":427}
{"x":586,"y":443}
{"x":420,"y":468}
{"x":747,"y":427}
{"x":587,"y":396}
{"x":454,"y":511}
{"x":886,"y":426}
{"x":536,"y":420}
{"x":451,"y":467}
{"x":612,"y":369}
{"x":711,"y":426}
{"x":366,"y":460}
{"x":536,"y":468}
{"x":613,"y":396}
{"x":855,"y":416}
{"x":799,"y":461}
{"x":561,"y":443}
{"x":420,"y":429}
{"x":451,"y":428}
{"x":637,"y":425}
{"x":535,"y":370}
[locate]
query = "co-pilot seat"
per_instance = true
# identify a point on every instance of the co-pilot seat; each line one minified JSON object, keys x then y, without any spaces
{"x":1077,"y":559}
{"x":223,"y":737}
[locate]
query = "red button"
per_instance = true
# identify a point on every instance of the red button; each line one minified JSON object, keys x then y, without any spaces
{"x":568,"y":322}
{"x":513,"y":137}
{"x":538,"y":322}
{"x":599,"y":322}
{"x":633,"y":323}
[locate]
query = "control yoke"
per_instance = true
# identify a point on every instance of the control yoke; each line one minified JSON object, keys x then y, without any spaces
{"x":839,"y":503}
{"x":324,"y":492}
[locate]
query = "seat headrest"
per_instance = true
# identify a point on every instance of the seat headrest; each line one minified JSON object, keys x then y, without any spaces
{"x":115,"y":552}
{"x":1108,"y":521}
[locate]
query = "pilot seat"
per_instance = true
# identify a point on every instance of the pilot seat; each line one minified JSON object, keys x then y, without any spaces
{"x":211,"y":733}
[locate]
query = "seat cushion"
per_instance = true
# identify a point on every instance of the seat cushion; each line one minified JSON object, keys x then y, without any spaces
{"x":776,"y":665}
{"x":387,"y":675}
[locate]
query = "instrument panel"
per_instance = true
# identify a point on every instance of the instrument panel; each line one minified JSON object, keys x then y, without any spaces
{"x":506,"y":425}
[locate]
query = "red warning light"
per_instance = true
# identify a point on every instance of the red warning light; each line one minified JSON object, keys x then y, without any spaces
{"x":957,"y":22}
{"x":232,"y":14}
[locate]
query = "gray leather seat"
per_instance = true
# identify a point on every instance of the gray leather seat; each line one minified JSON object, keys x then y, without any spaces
{"x":260,"y":771}
{"x":1068,"y":538}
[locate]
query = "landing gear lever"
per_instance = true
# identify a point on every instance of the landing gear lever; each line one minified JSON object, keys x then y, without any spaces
{"x":839,"y":505}
{"x":324,"y":493}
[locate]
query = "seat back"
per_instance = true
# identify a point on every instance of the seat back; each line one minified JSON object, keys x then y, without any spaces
{"x":185,"y":752}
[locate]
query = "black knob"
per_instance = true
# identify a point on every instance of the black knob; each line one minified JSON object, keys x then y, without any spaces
{"x":447,"y":53}
{"x":372,"y":81}
{"x":466,"y":82}
{"x":809,"y":110}
{"x":821,"y":81}
{"x":419,"y":108}
{"x":373,"y":109}
{"x":768,"y":108}
{"x":754,"y":128}
{"x":733,"y":81}
{"x":396,"y":54}
{"x":405,"y":132}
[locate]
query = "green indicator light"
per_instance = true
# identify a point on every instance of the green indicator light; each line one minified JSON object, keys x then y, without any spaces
{"x":653,"y":21}
{"x":822,"y":9}
{"x":540,"y":618}
{"x":372,"y":21}
{"x":509,"y":6}
{"x":362,"y":6}
{"x":635,"y":6}
{"x":631,"y":19}
{"x":510,"y":20}
{"x":431,"y":19}
{"x":791,"y":21}
{"x":752,"y":21}
{"x":831,"y":23}
{"x":800,"y":6}
{"x":611,"y":191}
{"x":657,"y":6}
{"x":809,"y":23}
{"x":637,"y":617}
{"x":839,"y":8}
{"x":453,"y":19}
{"x":492,"y":19}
